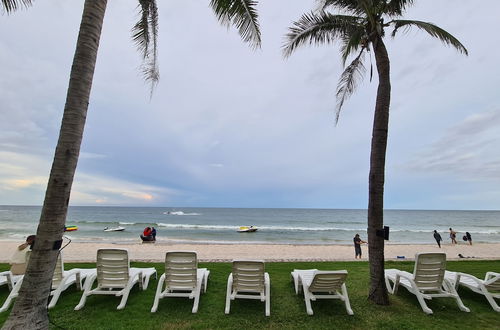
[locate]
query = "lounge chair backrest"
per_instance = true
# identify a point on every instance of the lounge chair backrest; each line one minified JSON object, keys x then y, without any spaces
{"x":248,"y":276}
{"x":429,"y":270}
{"x":492,"y":284}
{"x":180,"y":269}
{"x":58,"y":271}
{"x":112,"y":268}
{"x":327,"y":281}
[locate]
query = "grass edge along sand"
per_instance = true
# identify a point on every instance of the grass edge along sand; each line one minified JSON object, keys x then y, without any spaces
{"x":287,"y":309}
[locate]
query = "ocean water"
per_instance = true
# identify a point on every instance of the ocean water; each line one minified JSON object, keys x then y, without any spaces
{"x":277,"y":226}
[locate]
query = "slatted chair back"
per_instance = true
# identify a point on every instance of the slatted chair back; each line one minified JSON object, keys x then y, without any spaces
{"x":429,"y":271}
{"x":248,"y":276}
{"x":180,"y":270}
{"x":493,"y":284}
{"x":113,"y":267}
{"x":327,"y":281}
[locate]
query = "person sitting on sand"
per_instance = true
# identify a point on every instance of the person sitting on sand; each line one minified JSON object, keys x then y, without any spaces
{"x":19,"y":259}
{"x":357,"y":246}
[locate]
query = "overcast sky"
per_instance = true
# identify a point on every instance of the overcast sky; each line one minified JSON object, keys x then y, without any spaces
{"x":231,"y":127}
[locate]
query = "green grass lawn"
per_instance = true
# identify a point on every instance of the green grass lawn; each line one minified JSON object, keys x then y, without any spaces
{"x":287,"y":309}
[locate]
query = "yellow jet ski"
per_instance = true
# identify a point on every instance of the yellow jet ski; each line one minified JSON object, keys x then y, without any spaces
{"x":247,"y":229}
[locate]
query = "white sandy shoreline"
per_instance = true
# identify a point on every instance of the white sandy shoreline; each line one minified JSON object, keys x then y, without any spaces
{"x":86,"y":252}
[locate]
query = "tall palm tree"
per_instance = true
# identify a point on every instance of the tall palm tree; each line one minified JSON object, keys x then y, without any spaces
{"x":30,"y":310}
{"x":360,"y":27}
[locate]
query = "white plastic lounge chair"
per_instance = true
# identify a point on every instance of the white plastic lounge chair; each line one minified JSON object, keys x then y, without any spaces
{"x":115,"y":276}
{"x":489,"y":287}
{"x":6,"y":277}
{"x":317,"y":284}
{"x":182,"y":278}
{"x":249,"y":280}
{"x":61,"y":280}
{"x":427,"y":280}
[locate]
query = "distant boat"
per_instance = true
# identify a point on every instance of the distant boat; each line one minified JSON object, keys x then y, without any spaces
{"x":247,"y":229}
{"x":119,"y":228}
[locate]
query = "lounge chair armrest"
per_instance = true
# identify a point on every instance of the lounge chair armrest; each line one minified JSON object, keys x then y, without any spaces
{"x":404,"y":275}
{"x":472,"y":277}
{"x":490,"y":275}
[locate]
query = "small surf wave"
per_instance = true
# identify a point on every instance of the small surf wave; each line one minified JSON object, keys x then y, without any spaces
{"x":268,"y":228}
{"x":127,"y":223}
{"x":180,"y":213}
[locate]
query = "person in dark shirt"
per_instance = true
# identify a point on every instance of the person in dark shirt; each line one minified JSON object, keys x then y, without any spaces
{"x":357,"y":246}
{"x":438,"y":238}
{"x":469,"y":237}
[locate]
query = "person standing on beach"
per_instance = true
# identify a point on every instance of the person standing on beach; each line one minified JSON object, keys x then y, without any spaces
{"x":357,"y":246}
{"x":438,"y":238}
{"x":453,"y":236}
{"x":469,"y":237}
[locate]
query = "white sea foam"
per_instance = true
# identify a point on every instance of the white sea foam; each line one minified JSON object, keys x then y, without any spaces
{"x":126,"y":223}
{"x":180,"y":213}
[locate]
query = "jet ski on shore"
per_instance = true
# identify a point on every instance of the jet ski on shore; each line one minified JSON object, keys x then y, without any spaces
{"x":247,"y":229}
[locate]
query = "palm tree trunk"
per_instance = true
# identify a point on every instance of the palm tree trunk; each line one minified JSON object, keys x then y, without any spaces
{"x":30,"y":309}
{"x":378,"y":290}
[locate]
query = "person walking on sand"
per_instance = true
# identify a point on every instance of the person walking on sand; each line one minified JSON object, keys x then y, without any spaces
{"x":469,"y":237}
{"x":357,"y":246}
{"x":438,"y":238}
{"x":453,"y":236}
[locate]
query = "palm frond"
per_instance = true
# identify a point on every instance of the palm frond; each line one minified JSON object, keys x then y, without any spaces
{"x":10,"y":6}
{"x":319,"y":28}
{"x":352,"y":41}
{"x":243,"y":15}
{"x":145,"y":36}
{"x":348,"y":82}
{"x":396,"y":8}
{"x":433,"y":30}
{"x":348,"y":6}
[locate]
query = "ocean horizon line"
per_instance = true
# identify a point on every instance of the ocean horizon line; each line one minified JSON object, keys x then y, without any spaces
{"x":260,"y":208}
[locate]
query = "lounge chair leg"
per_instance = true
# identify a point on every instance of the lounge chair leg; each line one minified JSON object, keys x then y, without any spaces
{"x":421,"y":300}
{"x":346,"y":300}
{"x":307,"y":299}
{"x":228,"y":293}
{"x":12,"y":295}
{"x":123,"y":302}
{"x":447,"y":284}
{"x":159,"y":289}
{"x":197,"y":297}
{"x":88,"y":286}
{"x":268,"y":294}
{"x":388,"y":285}
{"x":492,"y":302}
{"x":55,"y":297}
{"x":205,"y":280}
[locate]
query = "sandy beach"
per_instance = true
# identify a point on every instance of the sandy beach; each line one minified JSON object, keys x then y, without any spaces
{"x":86,"y":252}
